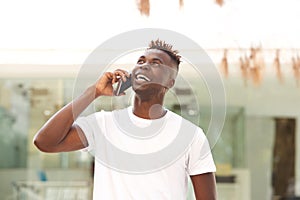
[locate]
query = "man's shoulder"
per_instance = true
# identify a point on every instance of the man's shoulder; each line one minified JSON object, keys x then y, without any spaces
{"x":179,"y":118}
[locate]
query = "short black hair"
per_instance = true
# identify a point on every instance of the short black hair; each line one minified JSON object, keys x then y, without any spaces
{"x":167,"y":48}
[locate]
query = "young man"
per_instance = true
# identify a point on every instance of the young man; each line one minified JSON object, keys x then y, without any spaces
{"x":153,"y":75}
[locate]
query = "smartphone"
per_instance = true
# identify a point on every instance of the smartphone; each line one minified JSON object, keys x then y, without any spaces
{"x":122,"y":86}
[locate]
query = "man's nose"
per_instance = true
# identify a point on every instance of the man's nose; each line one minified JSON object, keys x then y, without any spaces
{"x":145,"y":66}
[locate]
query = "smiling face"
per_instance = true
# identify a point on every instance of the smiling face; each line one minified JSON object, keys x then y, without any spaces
{"x":154,"y":71}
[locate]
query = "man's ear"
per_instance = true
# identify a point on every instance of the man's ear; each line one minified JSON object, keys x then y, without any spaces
{"x":171,"y":83}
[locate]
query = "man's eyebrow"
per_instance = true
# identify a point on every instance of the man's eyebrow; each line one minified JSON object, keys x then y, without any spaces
{"x":142,"y":57}
{"x":157,"y":59}
{"x":153,"y":59}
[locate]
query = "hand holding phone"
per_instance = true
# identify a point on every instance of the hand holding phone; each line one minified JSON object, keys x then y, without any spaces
{"x":122,"y":86}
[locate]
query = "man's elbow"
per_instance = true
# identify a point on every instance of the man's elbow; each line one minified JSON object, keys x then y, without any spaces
{"x":42,"y":145}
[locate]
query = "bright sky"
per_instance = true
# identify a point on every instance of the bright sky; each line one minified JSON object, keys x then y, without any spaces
{"x":73,"y":24}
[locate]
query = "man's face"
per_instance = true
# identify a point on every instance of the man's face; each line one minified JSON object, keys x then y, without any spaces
{"x":154,"y":70}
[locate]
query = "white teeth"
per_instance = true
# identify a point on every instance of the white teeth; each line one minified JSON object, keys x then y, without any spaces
{"x":142,"y":77}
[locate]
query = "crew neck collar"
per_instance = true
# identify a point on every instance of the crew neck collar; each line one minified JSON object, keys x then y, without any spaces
{"x":136,"y":118}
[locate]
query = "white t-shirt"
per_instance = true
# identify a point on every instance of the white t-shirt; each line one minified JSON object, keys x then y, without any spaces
{"x":142,"y":160}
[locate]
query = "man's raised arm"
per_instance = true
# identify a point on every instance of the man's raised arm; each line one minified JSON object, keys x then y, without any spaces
{"x":60,"y":134}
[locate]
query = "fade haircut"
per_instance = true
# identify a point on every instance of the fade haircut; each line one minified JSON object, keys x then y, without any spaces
{"x":167,"y":48}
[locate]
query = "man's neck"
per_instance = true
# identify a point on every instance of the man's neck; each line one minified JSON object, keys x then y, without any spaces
{"x":150,"y":109}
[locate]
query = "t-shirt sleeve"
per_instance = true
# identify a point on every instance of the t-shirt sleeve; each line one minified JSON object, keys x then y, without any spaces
{"x":199,"y":158}
{"x":87,"y":125}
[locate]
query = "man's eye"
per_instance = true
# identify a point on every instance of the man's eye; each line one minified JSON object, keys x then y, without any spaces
{"x":155,"y":63}
{"x":140,"y":62}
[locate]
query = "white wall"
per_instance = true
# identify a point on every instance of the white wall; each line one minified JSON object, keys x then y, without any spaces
{"x":259,"y":147}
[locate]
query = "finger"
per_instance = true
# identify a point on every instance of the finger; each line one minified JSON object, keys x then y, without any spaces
{"x":122,"y":74}
{"x":115,"y":78}
{"x":127,"y":74}
{"x":110,"y":77}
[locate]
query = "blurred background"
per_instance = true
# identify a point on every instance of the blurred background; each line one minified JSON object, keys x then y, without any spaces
{"x":254,"y":44}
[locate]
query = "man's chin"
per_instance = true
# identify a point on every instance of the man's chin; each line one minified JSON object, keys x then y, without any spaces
{"x":147,"y":89}
{"x":142,"y":89}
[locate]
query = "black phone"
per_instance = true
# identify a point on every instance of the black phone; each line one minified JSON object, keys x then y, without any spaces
{"x":122,"y":86}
